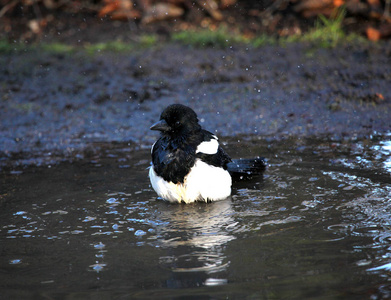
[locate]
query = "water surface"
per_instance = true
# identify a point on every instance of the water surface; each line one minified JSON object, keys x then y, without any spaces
{"x":316,"y":225}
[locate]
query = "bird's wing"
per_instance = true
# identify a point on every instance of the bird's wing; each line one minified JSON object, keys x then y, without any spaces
{"x":210,"y":151}
{"x":173,"y":164}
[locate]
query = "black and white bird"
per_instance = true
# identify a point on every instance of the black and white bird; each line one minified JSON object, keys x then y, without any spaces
{"x":188,"y":164}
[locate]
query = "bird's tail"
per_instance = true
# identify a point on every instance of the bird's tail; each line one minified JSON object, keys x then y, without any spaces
{"x":245,"y":168}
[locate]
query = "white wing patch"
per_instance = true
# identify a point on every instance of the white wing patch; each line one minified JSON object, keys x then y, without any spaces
{"x":209,"y":147}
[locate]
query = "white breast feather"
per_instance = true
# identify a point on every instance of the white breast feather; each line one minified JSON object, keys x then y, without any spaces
{"x":204,"y":182}
{"x":208,"y":182}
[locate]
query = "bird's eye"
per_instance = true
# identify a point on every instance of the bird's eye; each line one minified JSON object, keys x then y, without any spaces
{"x":177,"y":123}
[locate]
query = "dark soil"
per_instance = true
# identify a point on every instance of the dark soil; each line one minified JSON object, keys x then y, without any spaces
{"x":56,"y":106}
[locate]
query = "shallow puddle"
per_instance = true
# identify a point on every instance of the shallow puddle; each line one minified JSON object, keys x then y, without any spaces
{"x":316,"y":225}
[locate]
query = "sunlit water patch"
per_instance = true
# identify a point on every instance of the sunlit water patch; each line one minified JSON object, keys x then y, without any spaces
{"x":317,"y":224}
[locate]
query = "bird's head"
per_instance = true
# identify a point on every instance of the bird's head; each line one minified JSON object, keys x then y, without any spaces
{"x":177,"y":119}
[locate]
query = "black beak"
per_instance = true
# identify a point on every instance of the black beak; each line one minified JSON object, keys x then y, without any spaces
{"x":161,"y":126}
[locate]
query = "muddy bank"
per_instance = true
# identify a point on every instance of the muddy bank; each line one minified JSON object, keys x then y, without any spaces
{"x":62,"y":105}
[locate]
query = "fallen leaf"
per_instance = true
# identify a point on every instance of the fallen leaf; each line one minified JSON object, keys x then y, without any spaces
{"x":373,"y":34}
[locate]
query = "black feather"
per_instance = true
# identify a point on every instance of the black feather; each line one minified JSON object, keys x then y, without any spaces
{"x":172,"y":159}
{"x":219,"y":159}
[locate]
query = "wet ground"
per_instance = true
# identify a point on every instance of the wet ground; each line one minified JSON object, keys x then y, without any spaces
{"x":57,"y":106}
{"x":315,"y":226}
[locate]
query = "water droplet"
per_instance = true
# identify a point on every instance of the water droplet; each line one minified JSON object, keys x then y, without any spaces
{"x":15,"y":261}
{"x":19,"y":213}
{"x":47,"y":281}
{"x":111,"y":200}
{"x":77,"y":231}
{"x":140,"y":232}
{"x":98,"y":267}
{"x":215,"y":282}
{"x":100,"y":245}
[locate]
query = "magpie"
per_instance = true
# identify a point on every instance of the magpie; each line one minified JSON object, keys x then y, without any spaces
{"x":189,"y":165}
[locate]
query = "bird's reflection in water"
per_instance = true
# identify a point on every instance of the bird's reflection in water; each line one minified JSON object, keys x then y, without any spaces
{"x":195,"y":237}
